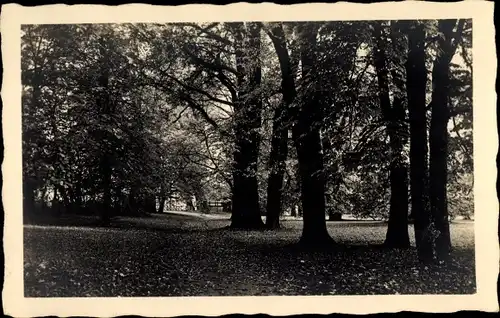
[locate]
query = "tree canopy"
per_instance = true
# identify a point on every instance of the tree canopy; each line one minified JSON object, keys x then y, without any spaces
{"x":350,"y":117}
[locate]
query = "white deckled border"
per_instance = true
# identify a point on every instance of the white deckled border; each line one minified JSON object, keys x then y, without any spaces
{"x":485,"y":148}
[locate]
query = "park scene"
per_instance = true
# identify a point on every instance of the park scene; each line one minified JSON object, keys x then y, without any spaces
{"x":248,"y":158}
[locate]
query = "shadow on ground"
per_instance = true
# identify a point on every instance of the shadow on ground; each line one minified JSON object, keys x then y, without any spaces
{"x":170,"y":255}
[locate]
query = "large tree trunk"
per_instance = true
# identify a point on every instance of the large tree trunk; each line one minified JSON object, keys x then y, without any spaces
{"x":397,"y":230}
{"x":247,"y":118}
{"x":279,"y":143}
{"x":438,"y":138}
{"x":312,"y":189}
{"x":307,"y":140}
{"x":245,"y":198}
{"x":416,"y":85}
{"x":149,"y":203}
{"x":394,"y":116}
{"x":279,"y":152}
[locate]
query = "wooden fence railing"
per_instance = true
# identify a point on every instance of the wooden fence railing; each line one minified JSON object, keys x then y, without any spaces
{"x":209,"y":206}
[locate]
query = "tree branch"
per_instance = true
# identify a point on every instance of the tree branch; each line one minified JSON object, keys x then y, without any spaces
{"x":211,"y":66}
{"x":203,"y":113}
{"x":462,"y":143}
{"x":200,"y":91}
{"x":457,"y":34}
{"x":206,"y":30}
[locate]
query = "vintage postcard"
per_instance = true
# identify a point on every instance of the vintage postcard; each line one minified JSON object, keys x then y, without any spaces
{"x":249,"y":158}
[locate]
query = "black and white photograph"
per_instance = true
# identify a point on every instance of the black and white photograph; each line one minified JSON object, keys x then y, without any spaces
{"x":249,"y":157}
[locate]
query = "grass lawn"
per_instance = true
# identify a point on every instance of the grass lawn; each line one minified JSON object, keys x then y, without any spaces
{"x":180,"y":255}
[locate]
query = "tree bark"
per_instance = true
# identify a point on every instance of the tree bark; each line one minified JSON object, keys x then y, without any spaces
{"x":76,"y":199}
{"x":106,"y":186}
{"x":30,"y":183}
{"x":29,"y":204}
{"x":416,"y":86}
{"x":394,"y":116}
{"x":107,"y":108}
{"x":149,"y":203}
{"x":397,"y":230}
{"x":438,"y":138}
{"x":63,"y":193}
{"x":161,"y":206}
{"x":279,"y":142}
{"x":42,"y":199}
{"x":279,"y":152}
{"x":132,"y":201}
{"x":312,"y":190}
{"x":247,"y":121}
{"x":56,"y":205}
{"x":104,"y":103}
{"x":307,"y":140}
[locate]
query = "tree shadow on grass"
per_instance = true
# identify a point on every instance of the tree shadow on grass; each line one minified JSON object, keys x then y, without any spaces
{"x":459,"y":260}
{"x":298,"y":247}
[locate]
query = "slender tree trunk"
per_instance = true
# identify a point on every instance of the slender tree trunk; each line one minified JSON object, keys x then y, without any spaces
{"x":42,"y":197}
{"x":106,"y":186}
{"x":63,"y":193}
{"x":77,"y":198}
{"x":161,"y":206}
{"x":279,"y":143}
{"x":105,"y":107}
{"x":438,"y":138}
{"x":132,"y":201}
{"x":29,"y":196}
{"x":416,"y":86}
{"x":29,"y":179}
{"x":55,"y":206}
{"x":248,"y":108}
{"x":394,"y":116}
{"x":307,"y":140}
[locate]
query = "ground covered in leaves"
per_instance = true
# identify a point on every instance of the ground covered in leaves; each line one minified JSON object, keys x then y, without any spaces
{"x":179,"y":255}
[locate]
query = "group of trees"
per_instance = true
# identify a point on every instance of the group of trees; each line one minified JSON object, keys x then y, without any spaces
{"x":93,"y":138}
{"x":352,"y":117}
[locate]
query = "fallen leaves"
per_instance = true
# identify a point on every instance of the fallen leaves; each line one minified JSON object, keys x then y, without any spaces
{"x":163,"y":256}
